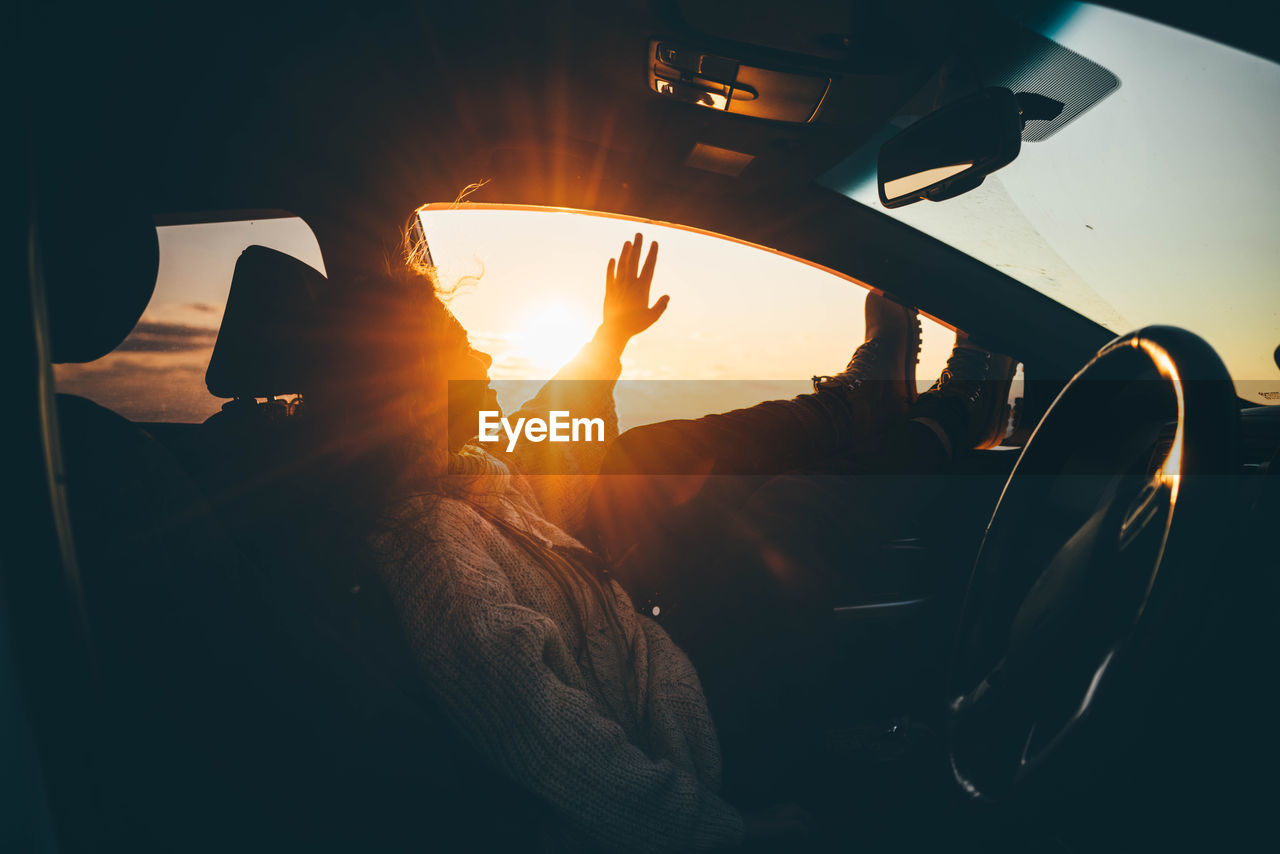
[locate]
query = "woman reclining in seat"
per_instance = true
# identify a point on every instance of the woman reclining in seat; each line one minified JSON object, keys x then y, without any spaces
{"x":538,"y":657}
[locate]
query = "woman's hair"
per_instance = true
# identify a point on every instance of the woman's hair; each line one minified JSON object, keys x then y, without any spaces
{"x":384,"y":411}
{"x":383,"y":396}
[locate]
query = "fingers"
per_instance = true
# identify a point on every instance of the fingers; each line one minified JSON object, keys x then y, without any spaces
{"x":626,"y":300}
{"x":658,"y":308}
{"x":634,"y":258}
{"x":646,"y":275}
{"x":653,"y":312}
{"x":623,"y":278}
{"x":629,"y":260}
{"x":624,"y":261}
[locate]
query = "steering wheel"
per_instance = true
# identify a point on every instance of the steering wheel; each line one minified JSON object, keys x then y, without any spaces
{"x":1096,"y":576}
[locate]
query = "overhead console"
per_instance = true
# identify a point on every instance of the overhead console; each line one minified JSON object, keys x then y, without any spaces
{"x":681,"y":71}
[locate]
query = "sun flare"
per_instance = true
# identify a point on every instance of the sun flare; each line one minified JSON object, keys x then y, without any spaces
{"x":549,"y":336}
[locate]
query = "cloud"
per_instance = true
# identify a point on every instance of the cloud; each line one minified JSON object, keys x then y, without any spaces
{"x":152,"y":337}
{"x":204,"y":315}
{"x":157,"y":373}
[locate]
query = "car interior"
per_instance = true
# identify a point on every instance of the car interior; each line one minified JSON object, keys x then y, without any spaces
{"x":1070,"y":649}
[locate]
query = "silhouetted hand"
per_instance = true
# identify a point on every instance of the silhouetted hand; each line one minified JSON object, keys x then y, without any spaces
{"x":626,"y":293}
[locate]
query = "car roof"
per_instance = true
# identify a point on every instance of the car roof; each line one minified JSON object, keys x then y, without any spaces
{"x":351,"y":115}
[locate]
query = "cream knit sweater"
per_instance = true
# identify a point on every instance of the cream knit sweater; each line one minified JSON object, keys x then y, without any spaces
{"x":624,"y":752}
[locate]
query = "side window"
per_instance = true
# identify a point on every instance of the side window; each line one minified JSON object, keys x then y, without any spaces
{"x":745,"y":323}
{"x":157,"y":373}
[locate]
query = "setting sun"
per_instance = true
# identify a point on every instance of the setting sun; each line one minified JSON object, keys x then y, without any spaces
{"x":550,"y":335}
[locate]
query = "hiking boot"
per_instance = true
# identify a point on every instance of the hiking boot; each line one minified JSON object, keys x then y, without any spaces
{"x":886,"y":360}
{"x":970,"y":401}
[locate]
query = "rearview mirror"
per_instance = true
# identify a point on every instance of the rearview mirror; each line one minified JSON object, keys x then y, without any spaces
{"x":951,"y":150}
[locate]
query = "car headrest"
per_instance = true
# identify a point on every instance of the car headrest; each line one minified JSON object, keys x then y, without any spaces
{"x":267,"y":344}
{"x":97,"y":280}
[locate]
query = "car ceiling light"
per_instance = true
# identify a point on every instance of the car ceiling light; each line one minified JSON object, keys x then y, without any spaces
{"x":729,"y":85}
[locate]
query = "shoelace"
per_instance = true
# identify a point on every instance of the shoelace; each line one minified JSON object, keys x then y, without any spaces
{"x":865,"y":360}
{"x":966,"y":366}
{"x":853,"y":376}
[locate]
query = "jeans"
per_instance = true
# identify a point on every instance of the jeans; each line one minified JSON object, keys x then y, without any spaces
{"x":741,"y":530}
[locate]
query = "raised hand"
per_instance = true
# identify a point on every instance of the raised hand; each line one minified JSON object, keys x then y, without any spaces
{"x":626,"y":293}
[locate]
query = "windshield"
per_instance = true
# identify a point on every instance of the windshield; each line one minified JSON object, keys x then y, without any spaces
{"x":1153,"y":205}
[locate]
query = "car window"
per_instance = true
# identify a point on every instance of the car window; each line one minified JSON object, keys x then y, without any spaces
{"x":157,"y":373}
{"x":745,"y":323}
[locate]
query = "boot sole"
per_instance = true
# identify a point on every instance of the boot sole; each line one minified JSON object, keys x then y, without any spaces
{"x":1001,"y":378}
{"x":912,"y":358}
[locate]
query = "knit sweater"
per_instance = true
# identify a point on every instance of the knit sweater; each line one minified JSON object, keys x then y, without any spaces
{"x":608,"y":726}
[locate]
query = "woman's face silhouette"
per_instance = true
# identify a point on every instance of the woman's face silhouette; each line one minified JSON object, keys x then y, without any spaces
{"x":467,"y":372}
